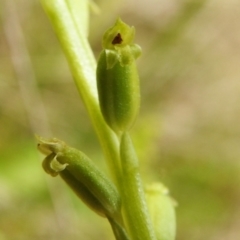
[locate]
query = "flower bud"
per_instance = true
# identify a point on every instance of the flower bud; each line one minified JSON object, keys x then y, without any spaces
{"x":117,"y":77}
{"x":161,"y":208}
{"x":80,"y":173}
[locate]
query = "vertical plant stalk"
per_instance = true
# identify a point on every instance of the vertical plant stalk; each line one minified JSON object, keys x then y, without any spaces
{"x":76,"y":7}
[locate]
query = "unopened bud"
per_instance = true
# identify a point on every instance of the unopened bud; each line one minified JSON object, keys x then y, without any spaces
{"x":82,"y":175}
{"x":162,"y":210}
{"x":117,"y":77}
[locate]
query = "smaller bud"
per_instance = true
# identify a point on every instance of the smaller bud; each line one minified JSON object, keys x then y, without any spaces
{"x":81,"y":174}
{"x":162,"y":210}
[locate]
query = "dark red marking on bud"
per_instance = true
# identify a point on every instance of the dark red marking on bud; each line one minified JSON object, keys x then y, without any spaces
{"x":118,"y":39}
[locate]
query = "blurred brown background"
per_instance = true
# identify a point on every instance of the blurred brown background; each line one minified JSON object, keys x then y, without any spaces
{"x":187,"y":134}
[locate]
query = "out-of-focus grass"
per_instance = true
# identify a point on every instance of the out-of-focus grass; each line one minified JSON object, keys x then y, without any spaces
{"x":187,"y":134}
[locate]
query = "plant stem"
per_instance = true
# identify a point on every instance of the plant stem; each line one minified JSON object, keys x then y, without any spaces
{"x":118,"y":230}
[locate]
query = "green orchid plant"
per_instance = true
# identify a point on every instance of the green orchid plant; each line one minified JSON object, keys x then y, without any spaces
{"x":110,"y":92}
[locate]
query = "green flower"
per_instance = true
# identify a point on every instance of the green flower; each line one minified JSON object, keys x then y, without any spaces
{"x":117,"y":77}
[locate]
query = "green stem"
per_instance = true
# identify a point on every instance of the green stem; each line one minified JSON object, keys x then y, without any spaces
{"x":135,"y":209}
{"x":81,"y":20}
{"x":118,"y":230}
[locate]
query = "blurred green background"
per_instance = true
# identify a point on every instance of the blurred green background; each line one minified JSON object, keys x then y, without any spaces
{"x":187,"y":134}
